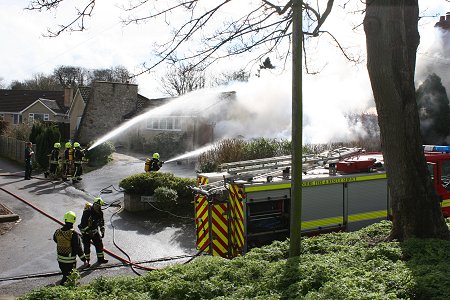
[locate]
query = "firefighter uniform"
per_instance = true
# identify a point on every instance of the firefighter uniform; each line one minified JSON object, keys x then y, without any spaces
{"x":68,"y":246}
{"x":68,"y":161}
{"x":54,"y":161}
{"x":28,"y":162}
{"x":78,"y":155}
{"x":153,"y":164}
{"x":92,"y":228}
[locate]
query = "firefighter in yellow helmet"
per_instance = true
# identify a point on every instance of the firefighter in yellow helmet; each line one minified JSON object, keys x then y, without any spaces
{"x":54,"y":161}
{"x":78,"y":155}
{"x":68,"y":246}
{"x":68,"y":161}
{"x":153,"y":164}
{"x":92,"y":227}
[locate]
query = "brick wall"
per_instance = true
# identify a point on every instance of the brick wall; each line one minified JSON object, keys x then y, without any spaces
{"x":107,"y":105}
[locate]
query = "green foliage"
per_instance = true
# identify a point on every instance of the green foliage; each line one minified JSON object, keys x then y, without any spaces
{"x":358,"y":265}
{"x":146,"y":184}
{"x":45,"y":140}
{"x":101,"y":154}
{"x":165,"y":195}
{"x":73,"y":279}
{"x":37,"y":129}
{"x":167,"y":144}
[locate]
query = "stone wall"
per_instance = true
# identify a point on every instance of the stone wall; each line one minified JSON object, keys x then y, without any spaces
{"x":108,"y":103}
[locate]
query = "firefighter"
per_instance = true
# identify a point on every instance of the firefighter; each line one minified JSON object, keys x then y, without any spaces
{"x":68,"y":246}
{"x":92,"y":227}
{"x":28,"y":162}
{"x":68,"y":161}
{"x":153,"y":164}
{"x":78,"y":155}
{"x":54,"y":161}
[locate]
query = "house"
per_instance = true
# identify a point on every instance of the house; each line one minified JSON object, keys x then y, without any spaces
{"x":104,"y":106}
{"x":27,"y":106}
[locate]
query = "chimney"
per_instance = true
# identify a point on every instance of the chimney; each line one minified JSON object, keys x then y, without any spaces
{"x":447,"y":17}
{"x":68,"y":95}
{"x":442,"y":19}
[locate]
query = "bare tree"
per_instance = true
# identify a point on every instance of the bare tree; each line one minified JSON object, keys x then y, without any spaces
{"x":116,"y":74}
{"x":70,"y":76}
{"x":392,"y":39}
{"x":226,"y":78}
{"x":39,"y":81}
{"x":182,"y":78}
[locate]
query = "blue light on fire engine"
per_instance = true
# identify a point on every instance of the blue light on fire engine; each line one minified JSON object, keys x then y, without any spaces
{"x":433,"y":148}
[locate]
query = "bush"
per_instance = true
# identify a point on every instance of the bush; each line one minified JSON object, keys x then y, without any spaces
{"x":45,"y":140}
{"x":146,"y":183}
{"x":167,"y":144}
{"x":101,"y":154}
{"x":165,"y":195}
{"x":231,"y":150}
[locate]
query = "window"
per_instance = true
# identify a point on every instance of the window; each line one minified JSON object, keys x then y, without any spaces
{"x":38,"y":117}
{"x":17,"y":118}
{"x":167,"y":123}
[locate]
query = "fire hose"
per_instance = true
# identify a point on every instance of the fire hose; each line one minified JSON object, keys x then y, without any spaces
{"x":123,"y":260}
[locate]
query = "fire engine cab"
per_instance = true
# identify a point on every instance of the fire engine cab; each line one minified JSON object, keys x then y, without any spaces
{"x":247,"y":203}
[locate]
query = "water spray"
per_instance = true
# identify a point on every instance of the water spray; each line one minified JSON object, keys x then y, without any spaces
{"x":193,"y":153}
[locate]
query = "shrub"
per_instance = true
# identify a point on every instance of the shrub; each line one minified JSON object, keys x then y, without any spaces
{"x":146,"y":183}
{"x":44,"y":144}
{"x":4,"y":127}
{"x":231,"y":150}
{"x":167,"y":144}
{"x":165,"y":195}
{"x":101,"y":154}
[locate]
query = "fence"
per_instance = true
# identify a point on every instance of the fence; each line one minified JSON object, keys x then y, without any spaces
{"x":12,"y":148}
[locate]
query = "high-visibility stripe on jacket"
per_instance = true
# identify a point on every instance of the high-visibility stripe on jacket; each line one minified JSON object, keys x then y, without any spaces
{"x":68,"y":245}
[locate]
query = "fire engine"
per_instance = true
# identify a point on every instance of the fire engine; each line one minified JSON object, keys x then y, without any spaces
{"x":247,"y":203}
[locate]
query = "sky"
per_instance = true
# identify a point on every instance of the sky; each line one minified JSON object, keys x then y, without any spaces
{"x":340,"y":88}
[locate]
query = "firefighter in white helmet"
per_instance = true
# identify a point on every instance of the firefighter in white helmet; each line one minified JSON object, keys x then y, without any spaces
{"x":92,"y":227}
{"x":153,"y":164}
{"x":68,"y":246}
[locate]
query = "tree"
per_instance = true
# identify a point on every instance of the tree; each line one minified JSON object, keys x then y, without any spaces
{"x":392,"y":38}
{"x":116,"y":74}
{"x":434,"y":111}
{"x":182,"y":78}
{"x":226,"y":78}
{"x":70,"y":76}
{"x":40,"y":81}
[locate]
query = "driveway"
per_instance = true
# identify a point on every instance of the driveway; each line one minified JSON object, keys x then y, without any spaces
{"x":28,"y":253}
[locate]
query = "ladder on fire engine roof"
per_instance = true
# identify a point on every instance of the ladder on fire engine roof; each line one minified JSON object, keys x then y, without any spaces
{"x":282,"y":162}
{"x":274,"y":166}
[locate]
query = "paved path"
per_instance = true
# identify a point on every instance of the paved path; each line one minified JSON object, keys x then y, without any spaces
{"x":28,"y":247}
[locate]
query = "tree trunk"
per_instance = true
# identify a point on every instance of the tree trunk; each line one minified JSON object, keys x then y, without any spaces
{"x":392,"y":38}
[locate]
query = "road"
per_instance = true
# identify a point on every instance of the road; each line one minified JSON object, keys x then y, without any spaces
{"x":28,"y":247}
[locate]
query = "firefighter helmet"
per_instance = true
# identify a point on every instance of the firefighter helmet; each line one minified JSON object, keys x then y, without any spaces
{"x":68,"y":145}
{"x":70,"y":217}
{"x":99,"y":201}
{"x":76,"y":145}
{"x":156,"y":155}
{"x":57,"y":145}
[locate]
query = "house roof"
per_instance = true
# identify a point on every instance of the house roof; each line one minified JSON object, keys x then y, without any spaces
{"x":143,"y":103}
{"x":15,"y":101}
{"x":84,"y":92}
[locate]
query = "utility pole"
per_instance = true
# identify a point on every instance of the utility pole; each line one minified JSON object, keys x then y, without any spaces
{"x":297,"y":126}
